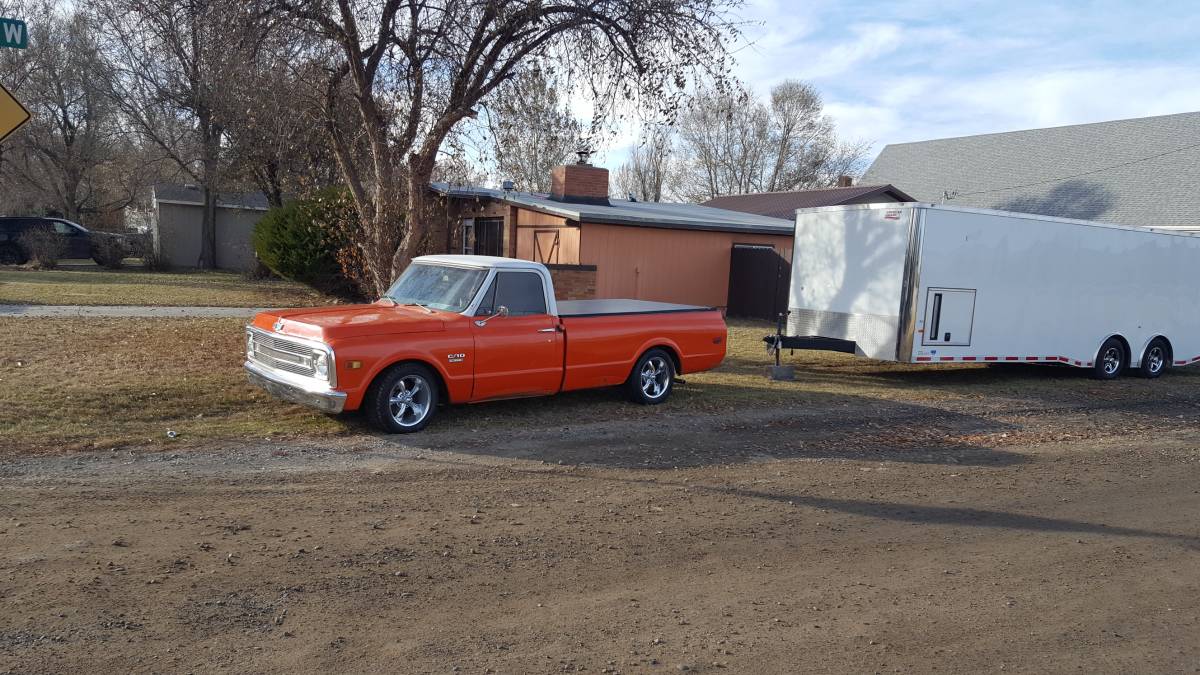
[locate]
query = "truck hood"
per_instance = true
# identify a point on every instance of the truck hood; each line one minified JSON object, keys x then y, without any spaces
{"x":348,"y":321}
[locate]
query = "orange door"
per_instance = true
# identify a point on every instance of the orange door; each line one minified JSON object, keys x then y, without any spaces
{"x":517,"y":356}
{"x":520,"y":354}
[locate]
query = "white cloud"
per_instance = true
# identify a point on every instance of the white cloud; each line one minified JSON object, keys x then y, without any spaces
{"x":896,"y":72}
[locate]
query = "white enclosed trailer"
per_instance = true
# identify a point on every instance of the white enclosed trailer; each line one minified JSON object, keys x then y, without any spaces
{"x":924,"y":283}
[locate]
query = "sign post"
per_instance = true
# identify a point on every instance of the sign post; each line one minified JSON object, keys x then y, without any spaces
{"x":13,"y":33}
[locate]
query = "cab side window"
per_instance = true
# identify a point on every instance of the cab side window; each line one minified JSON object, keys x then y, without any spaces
{"x":520,"y":292}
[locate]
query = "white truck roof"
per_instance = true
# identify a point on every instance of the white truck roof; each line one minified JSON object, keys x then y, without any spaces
{"x":480,"y":261}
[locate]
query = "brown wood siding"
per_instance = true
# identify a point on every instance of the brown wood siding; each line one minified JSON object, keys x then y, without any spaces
{"x":668,"y":265}
{"x":546,"y":239}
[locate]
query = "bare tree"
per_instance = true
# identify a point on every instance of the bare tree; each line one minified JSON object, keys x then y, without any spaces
{"x":649,"y":174}
{"x":173,"y":62}
{"x":275,"y":139}
{"x":69,"y":156}
{"x":416,"y":69}
{"x":733,"y":144}
{"x":532,"y":130}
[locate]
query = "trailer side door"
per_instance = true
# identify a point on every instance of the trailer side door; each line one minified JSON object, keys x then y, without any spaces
{"x":949,"y":316}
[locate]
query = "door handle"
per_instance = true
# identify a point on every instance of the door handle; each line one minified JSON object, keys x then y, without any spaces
{"x":548,"y":330}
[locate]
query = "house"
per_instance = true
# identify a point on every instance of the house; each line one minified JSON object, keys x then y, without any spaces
{"x":1136,"y":172}
{"x":615,"y":248}
{"x":784,"y":204}
{"x":177,"y":213}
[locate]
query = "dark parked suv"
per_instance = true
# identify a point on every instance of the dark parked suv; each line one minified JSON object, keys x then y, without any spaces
{"x":79,"y":240}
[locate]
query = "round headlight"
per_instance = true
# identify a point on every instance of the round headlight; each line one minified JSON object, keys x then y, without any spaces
{"x":321,"y":364}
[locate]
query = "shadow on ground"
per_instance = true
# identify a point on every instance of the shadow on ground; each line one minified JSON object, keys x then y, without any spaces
{"x":597,"y":429}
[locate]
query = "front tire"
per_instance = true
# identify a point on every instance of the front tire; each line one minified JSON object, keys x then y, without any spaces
{"x":1156,"y":360}
{"x":403,"y":400}
{"x":652,"y":378}
{"x":1111,"y":360}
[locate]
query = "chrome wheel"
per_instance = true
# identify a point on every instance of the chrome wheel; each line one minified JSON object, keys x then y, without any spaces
{"x":656,"y":375}
{"x":1156,"y":358}
{"x":409,"y":399}
{"x":1112,"y":360}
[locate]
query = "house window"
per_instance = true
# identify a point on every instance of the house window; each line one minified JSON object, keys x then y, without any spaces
{"x":483,"y":236}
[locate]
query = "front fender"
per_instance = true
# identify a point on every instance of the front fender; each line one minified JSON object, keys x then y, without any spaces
{"x":451,"y":360}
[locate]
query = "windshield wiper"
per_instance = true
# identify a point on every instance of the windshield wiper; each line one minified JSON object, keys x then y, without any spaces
{"x":417,"y":304}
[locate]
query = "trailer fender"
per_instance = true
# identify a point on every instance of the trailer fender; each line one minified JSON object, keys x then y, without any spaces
{"x":1124,"y":343}
{"x":1136,"y":361}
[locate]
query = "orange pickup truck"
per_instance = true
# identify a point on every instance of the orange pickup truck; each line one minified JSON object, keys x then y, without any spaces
{"x":463,"y":329}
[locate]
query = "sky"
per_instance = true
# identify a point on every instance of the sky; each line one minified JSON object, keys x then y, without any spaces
{"x":892,"y":72}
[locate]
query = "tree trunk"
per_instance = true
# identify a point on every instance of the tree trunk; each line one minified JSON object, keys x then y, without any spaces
{"x":425,"y":231}
{"x":208,"y":231}
{"x":210,"y":135}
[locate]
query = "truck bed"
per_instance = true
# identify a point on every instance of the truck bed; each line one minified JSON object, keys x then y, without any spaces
{"x":582,"y":308}
{"x":604,"y":338}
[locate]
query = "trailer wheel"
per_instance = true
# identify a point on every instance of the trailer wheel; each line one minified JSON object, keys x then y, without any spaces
{"x":1111,"y":360}
{"x":652,"y":378}
{"x":403,"y":399}
{"x":1156,"y":360}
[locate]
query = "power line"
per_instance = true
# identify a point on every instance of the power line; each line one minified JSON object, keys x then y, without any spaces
{"x":954,"y":195}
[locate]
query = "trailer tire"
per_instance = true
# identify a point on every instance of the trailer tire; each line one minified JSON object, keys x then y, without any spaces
{"x":1111,"y":360}
{"x":1156,"y":360}
{"x":652,"y":378}
{"x":403,"y":399}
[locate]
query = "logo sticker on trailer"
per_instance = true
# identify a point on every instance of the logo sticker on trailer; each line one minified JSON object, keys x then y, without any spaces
{"x":893,"y":214}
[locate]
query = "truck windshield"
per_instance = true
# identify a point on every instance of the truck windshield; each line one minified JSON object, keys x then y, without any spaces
{"x":438,"y":287}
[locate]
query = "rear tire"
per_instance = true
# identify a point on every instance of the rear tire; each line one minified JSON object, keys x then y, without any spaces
{"x":1111,"y":360}
{"x":402,"y":400}
{"x":1156,"y":360}
{"x":11,"y":254}
{"x":652,"y":378}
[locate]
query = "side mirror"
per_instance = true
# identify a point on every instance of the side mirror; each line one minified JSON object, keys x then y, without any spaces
{"x":502,"y":311}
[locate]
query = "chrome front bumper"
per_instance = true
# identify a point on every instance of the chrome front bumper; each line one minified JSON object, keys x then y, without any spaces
{"x":325,"y":400}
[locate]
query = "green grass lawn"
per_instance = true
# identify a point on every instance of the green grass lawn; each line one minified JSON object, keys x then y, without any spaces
{"x":85,"y":285}
{"x":84,"y":384}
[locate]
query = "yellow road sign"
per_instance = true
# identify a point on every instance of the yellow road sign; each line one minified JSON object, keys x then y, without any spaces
{"x":12,"y":114}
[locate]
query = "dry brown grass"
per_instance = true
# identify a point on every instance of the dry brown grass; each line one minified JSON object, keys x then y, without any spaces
{"x":79,"y":384}
{"x":96,"y":286}
{"x":76,"y":384}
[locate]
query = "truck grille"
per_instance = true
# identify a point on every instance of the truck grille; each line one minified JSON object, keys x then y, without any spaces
{"x":283,"y":354}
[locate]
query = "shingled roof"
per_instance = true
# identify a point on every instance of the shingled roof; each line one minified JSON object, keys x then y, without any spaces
{"x":784,"y":204}
{"x":1141,"y":171}
{"x":635,"y":214}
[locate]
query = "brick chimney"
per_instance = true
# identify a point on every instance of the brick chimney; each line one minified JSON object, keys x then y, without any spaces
{"x":580,"y":183}
{"x":845,"y":181}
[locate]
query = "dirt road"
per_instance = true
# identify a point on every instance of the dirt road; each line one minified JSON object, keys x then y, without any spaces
{"x":862,"y":536}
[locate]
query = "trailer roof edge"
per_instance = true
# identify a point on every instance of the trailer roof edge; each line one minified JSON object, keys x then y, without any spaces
{"x":1164,"y":230}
